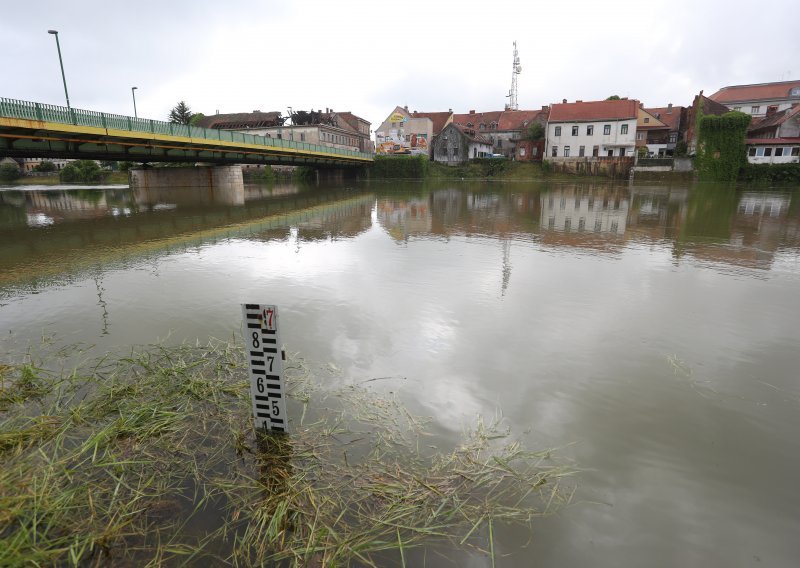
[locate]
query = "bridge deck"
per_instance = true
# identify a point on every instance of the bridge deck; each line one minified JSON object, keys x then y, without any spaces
{"x":29,"y":129}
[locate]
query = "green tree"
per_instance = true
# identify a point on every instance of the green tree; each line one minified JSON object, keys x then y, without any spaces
{"x":45,"y":167}
{"x":9,"y":172}
{"x":534,"y":132}
{"x":86,"y":171}
{"x":181,"y":114}
{"x":613,"y":98}
{"x":721,"y":146}
{"x":197,"y":117}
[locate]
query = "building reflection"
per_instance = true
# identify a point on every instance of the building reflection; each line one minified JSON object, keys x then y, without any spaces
{"x":709,"y":223}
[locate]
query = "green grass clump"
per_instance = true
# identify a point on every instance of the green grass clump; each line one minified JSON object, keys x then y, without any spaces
{"x":151,"y":459}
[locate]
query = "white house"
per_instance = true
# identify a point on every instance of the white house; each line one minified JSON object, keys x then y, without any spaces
{"x":759,"y":99}
{"x":593,"y":129}
{"x":775,"y":139}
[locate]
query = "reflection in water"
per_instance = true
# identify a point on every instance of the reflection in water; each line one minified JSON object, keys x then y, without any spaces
{"x":611,"y":286}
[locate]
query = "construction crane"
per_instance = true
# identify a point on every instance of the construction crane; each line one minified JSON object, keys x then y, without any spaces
{"x":513,"y":103}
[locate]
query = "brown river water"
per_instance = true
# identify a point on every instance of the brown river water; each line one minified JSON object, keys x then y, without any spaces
{"x":650,"y":332}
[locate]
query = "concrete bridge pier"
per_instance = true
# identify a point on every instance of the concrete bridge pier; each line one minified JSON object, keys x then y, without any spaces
{"x":223,"y":184}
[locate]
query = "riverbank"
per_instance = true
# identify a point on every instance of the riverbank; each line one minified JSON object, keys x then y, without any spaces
{"x":151,"y":458}
{"x":109,"y":178}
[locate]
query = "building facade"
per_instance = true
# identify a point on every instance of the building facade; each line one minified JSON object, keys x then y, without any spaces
{"x":759,"y":99}
{"x":594,"y":129}
{"x":775,"y":139}
{"x":457,"y":144}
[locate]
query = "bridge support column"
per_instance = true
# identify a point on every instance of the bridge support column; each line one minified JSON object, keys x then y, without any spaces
{"x":223,"y":183}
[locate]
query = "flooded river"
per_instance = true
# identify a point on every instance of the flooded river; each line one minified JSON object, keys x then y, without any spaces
{"x":648,"y":332}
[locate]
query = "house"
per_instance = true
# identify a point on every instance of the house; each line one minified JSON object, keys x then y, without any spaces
{"x":593,"y":129}
{"x":658,"y":128}
{"x":503,"y":128}
{"x":332,"y":129}
{"x":688,"y":126}
{"x":758,"y":99}
{"x":405,"y":132}
{"x":775,"y":139}
{"x":457,"y":144}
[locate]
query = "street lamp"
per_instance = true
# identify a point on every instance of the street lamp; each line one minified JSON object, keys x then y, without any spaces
{"x":60,"y":62}
{"x":133,"y":92}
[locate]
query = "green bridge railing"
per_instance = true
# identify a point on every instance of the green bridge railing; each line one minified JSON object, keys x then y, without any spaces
{"x":13,"y":108}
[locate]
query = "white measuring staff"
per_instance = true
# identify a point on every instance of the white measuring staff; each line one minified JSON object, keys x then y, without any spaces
{"x":263,"y":347}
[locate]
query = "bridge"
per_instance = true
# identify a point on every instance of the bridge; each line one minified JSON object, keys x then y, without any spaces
{"x":37,"y":130}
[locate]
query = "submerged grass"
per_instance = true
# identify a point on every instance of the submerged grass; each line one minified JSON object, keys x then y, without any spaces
{"x":150,"y":459}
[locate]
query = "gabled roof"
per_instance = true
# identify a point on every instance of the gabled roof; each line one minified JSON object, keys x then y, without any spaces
{"x":671,"y":119}
{"x":471,"y":134}
{"x":239,"y":120}
{"x":439,"y":119}
{"x":519,"y":119}
{"x":593,"y":110}
{"x":351,"y":119}
{"x":755,"y":92}
{"x":775,"y":119}
{"x":478,"y":118}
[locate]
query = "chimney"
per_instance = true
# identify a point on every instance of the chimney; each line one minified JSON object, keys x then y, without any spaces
{"x":578,"y":101}
{"x":545,"y":107}
{"x":256,"y":110}
{"x":669,"y":108}
{"x":472,"y":112}
{"x":772,"y":110}
{"x":564,"y":101}
{"x":405,"y":108}
{"x":449,"y":110}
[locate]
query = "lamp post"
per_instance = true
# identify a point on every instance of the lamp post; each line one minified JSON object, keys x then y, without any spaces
{"x":61,"y":63}
{"x":133,"y":93}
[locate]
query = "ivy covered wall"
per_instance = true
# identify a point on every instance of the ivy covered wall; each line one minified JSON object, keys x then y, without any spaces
{"x":721,"y":147}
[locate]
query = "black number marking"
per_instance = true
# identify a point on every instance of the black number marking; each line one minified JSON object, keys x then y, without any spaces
{"x":260,"y":384}
{"x":271,"y":360}
{"x":256,"y":343}
{"x":275,"y":410}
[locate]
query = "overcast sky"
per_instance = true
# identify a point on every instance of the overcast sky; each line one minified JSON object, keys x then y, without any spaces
{"x":367,"y":57}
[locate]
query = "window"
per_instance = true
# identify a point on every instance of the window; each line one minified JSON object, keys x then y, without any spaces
{"x":794,"y":92}
{"x":551,"y":223}
{"x":499,"y":142}
{"x":574,"y":130}
{"x":607,"y":129}
{"x":474,"y":152}
{"x":759,"y":151}
{"x":646,"y":120}
{"x":737,"y":108}
{"x":767,"y":152}
{"x":566,"y":151}
{"x":796,"y":151}
{"x":494,"y":125}
{"x":595,"y":151}
{"x":483,"y":126}
{"x":755,"y":109}
{"x":558,"y":131}
{"x":640,"y":135}
{"x":581,"y":151}
{"x":302,"y":137}
{"x":623,"y":129}
{"x":582,"y":224}
{"x":609,"y":152}
{"x":590,"y":130}
{"x":621,"y":152}
{"x":778,"y":152}
{"x":673,"y":138}
{"x":555,"y":151}
{"x":751,"y":152}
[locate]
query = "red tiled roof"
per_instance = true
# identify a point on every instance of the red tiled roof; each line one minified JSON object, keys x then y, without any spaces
{"x":476,"y":118}
{"x":672,"y":119}
{"x":472,"y":135}
{"x":439,"y":119}
{"x":518,"y":119}
{"x":756,"y":92}
{"x":593,"y":110}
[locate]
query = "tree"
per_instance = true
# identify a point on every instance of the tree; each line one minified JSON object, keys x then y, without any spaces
{"x":45,"y":167}
{"x":181,"y":114}
{"x":86,"y":171}
{"x":9,"y":172}
{"x":534,"y":132}
{"x":196,"y":118}
{"x":613,"y":98}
